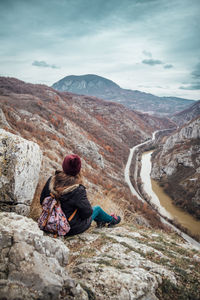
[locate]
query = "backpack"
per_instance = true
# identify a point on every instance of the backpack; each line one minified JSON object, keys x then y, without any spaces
{"x":52,"y":218}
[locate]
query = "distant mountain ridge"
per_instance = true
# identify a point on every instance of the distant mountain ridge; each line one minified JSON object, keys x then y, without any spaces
{"x":187,"y":115}
{"x":94,"y":85}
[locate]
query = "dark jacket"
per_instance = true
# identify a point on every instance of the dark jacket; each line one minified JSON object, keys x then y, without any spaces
{"x":73,"y":197}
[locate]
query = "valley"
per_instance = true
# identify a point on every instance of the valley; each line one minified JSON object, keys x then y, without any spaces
{"x":148,"y":191}
{"x":39,"y":126}
{"x":101,"y":132}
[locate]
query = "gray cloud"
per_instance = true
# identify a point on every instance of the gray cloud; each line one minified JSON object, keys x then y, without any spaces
{"x":101,"y":37}
{"x":193,"y":86}
{"x":43,"y":64}
{"x":168,"y":66}
{"x":152,"y":62}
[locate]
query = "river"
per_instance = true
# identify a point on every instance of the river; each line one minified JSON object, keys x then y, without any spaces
{"x":140,"y":197}
{"x":162,"y":201}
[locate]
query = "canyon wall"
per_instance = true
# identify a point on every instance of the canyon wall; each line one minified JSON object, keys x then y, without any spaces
{"x":176,"y":165}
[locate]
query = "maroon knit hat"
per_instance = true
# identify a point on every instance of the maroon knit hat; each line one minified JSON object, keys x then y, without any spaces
{"x":71,"y":164}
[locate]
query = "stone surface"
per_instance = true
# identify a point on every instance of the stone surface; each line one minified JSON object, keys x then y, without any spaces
{"x":3,"y":121}
{"x":33,"y":265}
{"x":124,"y":262}
{"x":117,"y":264}
{"x":187,"y":132}
{"x":85,"y":147}
{"x":20,"y":162}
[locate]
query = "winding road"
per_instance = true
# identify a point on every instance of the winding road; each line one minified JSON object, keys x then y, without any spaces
{"x":139,"y":196}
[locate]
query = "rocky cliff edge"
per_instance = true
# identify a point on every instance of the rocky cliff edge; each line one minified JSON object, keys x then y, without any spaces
{"x":125,"y":262}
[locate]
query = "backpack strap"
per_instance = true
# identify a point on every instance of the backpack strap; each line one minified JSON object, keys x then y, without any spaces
{"x":47,"y":218}
{"x":71,"y":217}
{"x":52,"y":195}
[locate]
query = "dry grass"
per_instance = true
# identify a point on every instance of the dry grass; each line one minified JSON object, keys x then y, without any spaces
{"x":107,"y":203}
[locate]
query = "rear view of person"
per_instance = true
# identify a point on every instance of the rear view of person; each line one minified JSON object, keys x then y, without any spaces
{"x":66,"y":186}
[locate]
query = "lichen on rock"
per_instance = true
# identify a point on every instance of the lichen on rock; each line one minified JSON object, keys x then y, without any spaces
{"x":32,"y":264}
{"x":20,"y":162}
{"x":122,"y":263}
{"x":3,"y":121}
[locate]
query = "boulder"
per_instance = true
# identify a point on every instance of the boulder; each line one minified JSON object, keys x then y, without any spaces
{"x":3,"y":121}
{"x":20,"y":162}
{"x":32,"y":264}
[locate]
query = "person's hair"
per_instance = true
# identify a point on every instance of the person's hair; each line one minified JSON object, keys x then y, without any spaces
{"x":62,"y":181}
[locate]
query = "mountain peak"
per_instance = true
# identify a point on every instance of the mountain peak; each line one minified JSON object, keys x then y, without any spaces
{"x":89,"y":77}
{"x":88,"y":84}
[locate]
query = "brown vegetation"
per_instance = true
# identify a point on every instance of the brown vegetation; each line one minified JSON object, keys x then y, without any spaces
{"x":41,"y":114}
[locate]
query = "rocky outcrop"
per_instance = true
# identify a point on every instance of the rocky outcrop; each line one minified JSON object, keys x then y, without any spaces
{"x":3,"y":121}
{"x":130,"y":262}
{"x":188,"y":132}
{"x":32,"y":265}
{"x":177,"y":166}
{"x":20,"y":162}
{"x":121,"y":263}
{"x":87,"y":148}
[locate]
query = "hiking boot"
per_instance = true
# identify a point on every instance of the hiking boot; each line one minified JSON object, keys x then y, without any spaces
{"x":101,"y":224}
{"x":115,"y":220}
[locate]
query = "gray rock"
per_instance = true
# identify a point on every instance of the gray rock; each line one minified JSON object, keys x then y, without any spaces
{"x":20,"y":162}
{"x":112,"y":264}
{"x":90,"y":150}
{"x":140,"y":220}
{"x":169,"y":158}
{"x":84,"y":146}
{"x":188,"y":132}
{"x":3,"y":121}
{"x":33,"y":265}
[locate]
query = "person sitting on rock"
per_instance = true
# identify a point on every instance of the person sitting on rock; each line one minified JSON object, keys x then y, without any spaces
{"x":67,"y":187}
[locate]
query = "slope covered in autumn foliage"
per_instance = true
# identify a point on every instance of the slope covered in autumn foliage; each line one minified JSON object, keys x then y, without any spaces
{"x":100,"y":132}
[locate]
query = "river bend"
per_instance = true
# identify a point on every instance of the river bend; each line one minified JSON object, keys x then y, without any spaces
{"x":146,"y":168}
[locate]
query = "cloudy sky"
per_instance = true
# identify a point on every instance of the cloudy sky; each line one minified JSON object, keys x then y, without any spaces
{"x":148,"y":45}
